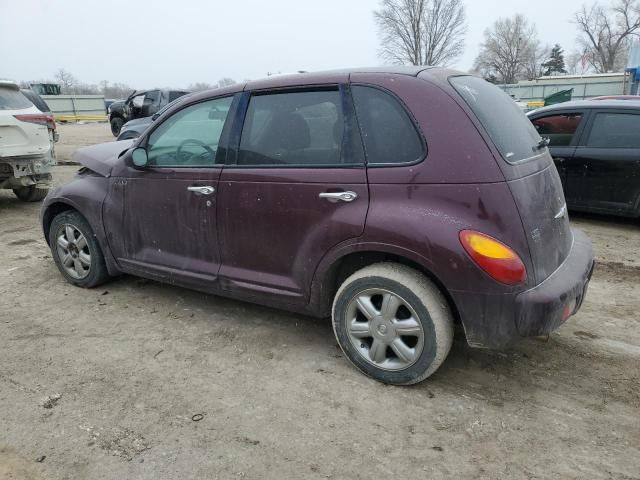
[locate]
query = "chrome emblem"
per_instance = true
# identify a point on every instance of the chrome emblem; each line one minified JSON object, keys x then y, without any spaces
{"x":562,"y":212}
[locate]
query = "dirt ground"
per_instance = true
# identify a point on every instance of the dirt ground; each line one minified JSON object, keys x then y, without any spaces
{"x":138,"y":380}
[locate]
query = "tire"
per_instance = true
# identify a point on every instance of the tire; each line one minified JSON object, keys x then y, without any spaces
{"x":116,"y":125}
{"x":30,"y":193}
{"x":87,"y":254}
{"x":419,"y":310}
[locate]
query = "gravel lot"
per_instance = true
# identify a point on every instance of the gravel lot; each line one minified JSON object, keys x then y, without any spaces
{"x":109,"y":383}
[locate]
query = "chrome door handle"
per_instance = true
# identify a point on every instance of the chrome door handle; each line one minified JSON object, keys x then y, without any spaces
{"x":206,"y":190}
{"x":343,"y":196}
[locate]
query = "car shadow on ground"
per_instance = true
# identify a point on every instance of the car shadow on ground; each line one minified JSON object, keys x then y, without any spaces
{"x":565,"y":364}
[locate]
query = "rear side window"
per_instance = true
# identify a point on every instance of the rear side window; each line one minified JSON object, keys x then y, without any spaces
{"x":559,"y":129}
{"x":11,"y":99}
{"x":615,"y":130}
{"x":388,"y":133}
{"x":511,"y":131}
{"x":293,"y":129}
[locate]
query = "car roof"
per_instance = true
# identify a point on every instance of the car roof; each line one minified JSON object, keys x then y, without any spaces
{"x":331,"y":76}
{"x":589,"y":104}
{"x":9,"y":84}
{"x":322,"y":77}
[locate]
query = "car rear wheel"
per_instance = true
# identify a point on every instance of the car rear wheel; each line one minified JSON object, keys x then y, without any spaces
{"x":116,"y":125}
{"x":76,"y":251}
{"x":392,"y":323}
{"x":30,"y":193}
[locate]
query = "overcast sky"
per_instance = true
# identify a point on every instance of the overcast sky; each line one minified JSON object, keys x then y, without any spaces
{"x":174,"y":43}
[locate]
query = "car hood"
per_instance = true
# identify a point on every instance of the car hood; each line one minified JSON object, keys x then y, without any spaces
{"x":137,"y":122}
{"x":101,"y":158}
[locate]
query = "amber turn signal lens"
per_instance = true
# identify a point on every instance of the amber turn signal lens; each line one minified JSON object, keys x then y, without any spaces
{"x":494,"y":257}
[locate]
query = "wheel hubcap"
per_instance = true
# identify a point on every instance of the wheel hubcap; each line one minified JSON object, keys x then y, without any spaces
{"x":384,"y":329}
{"x":73,"y":251}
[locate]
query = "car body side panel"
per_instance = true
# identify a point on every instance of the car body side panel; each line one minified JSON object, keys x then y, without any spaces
{"x":274,"y":227}
{"x":605,"y":179}
{"x":440,"y":119}
{"x":421,"y":223}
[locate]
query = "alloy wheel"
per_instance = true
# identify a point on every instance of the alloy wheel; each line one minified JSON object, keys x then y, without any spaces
{"x":384,"y":329}
{"x":73,"y":251}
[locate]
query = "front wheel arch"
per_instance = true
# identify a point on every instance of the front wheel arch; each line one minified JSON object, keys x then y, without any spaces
{"x":50,"y":213}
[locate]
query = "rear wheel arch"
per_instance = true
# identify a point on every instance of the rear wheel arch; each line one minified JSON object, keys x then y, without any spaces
{"x":329,"y":279}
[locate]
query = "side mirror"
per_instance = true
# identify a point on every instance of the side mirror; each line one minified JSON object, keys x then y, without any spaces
{"x":139,"y":157}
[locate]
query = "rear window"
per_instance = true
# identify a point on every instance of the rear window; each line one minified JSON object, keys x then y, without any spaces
{"x":36,"y":100}
{"x":11,"y":99}
{"x":511,"y":131}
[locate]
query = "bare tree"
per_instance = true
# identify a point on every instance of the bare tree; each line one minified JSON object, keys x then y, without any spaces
{"x":421,"y":32}
{"x":510,"y":50}
{"x":115,"y":90}
{"x":534,"y":62}
{"x":66,"y":80}
{"x":606,"y":33}
{"x":225,"y":82}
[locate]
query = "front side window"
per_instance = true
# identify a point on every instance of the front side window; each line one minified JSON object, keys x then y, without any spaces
{"x":388,"y":133}
{"x":510,"y":130}
{"x":293,"y":129}
{"x":138,"y":101}
{"x":559,"y":129}
{"x":190,"y":137}
{"x":615,"y":130}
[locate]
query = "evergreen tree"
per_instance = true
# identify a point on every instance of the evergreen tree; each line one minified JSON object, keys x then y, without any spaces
{"x":555,"y":64}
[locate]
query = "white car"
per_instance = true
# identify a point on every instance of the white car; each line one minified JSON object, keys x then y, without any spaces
{"x":26,"y":145}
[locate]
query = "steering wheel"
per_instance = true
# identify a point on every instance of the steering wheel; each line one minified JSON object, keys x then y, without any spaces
{"x":192,"y":156}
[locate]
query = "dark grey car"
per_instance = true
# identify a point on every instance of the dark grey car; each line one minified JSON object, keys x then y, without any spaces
{"x":134,"y":128}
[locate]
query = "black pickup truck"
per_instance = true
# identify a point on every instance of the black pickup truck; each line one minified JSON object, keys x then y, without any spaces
{"x":140,"y":104}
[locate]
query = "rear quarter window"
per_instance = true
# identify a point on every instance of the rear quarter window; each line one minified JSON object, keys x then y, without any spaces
{"x":510,"y":130}
{"x":11,"y":99}
{"x":388,"y":132}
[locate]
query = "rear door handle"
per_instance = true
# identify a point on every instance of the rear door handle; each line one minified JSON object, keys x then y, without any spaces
{"x":339,"y":196}
{"x":204,"y":190}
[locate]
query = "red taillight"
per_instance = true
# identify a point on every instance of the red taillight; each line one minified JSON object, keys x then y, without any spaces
{"x":39,"y":118}
{"x":494,"y":257}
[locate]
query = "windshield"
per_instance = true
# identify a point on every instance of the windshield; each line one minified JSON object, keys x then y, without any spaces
{"x":512,"y":133}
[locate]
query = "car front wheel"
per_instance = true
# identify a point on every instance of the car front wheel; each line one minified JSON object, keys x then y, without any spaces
{"x":76,"y":251}
{"x":392,"y":323}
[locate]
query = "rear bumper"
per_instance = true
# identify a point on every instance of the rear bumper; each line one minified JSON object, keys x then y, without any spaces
{"x":540,"y":310}
{"x":495,"y":321}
